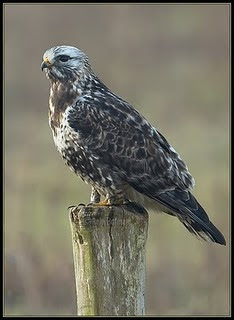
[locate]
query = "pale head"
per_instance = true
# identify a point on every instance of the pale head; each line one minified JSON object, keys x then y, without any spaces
{"x":62,"y":62}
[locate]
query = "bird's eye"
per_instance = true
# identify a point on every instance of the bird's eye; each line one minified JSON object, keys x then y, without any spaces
{"x":64,"y":58}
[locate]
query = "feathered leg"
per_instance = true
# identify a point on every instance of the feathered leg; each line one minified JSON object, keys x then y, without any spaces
{"x":95,"y":196}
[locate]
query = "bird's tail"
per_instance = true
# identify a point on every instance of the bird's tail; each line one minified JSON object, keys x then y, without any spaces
{"x":205,"y":230}
{"x":191,"y":214}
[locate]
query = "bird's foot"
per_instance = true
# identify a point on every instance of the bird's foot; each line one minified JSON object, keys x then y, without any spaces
{"x":73,"y":211}
{"x":73,"y":208}
{"x":106,"y":203}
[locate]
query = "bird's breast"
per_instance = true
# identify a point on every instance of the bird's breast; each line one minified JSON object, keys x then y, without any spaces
{"x":74,"y":154}
{"x":61,"y":98}
{"x":65,"y":138}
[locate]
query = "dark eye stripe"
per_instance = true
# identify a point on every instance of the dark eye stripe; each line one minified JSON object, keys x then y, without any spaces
{"x":64,"y":58}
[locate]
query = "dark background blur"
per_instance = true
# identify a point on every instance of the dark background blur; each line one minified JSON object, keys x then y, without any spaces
{"x":172,"y":63}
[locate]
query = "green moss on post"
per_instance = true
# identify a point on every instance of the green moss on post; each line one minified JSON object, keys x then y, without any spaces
{"x":109,"y":258}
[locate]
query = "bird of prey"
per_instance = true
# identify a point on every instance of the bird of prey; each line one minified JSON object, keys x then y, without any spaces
{"x":112,"y":147}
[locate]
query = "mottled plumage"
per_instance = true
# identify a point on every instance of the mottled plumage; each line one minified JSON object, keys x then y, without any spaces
{"x":111,"y":146}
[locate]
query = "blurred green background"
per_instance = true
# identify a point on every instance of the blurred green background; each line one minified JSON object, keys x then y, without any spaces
{"x":171,"y":62}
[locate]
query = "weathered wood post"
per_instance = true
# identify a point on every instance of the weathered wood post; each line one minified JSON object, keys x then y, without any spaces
{"x":109,"y":257}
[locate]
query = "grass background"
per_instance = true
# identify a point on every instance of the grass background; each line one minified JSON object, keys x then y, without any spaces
{"x":172,"y":63}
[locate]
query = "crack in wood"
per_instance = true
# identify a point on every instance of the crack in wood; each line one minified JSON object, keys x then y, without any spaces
{"x":110,"y":221}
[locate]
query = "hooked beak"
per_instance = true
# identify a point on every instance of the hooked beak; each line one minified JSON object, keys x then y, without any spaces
{"x":45,"y":64}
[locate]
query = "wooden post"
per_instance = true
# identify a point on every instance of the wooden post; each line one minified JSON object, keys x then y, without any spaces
{"x":109,"y":258}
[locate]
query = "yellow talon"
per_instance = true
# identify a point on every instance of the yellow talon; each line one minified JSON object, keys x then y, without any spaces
{"x":107,"y":202}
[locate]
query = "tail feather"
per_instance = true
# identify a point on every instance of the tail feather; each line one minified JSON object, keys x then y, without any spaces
{"x":183,"y":205}
{"x":192,"y":215}
{"x":205,"y":230}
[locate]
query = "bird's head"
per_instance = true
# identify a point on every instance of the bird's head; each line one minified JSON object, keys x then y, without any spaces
{"x":64,"y":62}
